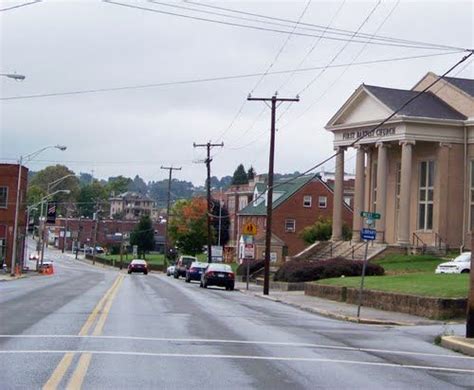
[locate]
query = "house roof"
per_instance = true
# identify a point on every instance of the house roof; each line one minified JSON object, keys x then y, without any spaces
{"x":283,"y":189}
{"x":427,"y":105}
{"x":130,"y":195}
{"x":466,"y":85}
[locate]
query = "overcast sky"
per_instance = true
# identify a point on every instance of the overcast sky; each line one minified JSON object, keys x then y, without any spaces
{"x":78,"y":45}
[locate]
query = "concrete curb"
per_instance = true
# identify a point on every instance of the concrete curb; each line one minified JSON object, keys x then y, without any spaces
{"x":22,"y":276}
{"x":458,"y":344}
{"x":329,"y":314}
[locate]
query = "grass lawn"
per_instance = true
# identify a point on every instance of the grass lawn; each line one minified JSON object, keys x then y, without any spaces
{"x":411,"y":275}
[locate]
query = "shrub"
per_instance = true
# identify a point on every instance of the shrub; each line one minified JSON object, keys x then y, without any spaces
{"x":254,"y":266}
{"x":321,"y":230}
{"x":306,"y":271}
{"x":114,"y":249}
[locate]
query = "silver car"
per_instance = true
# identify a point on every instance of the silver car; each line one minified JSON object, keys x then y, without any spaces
{"x":460,"y":265}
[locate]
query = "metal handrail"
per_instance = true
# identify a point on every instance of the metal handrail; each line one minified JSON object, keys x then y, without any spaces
{"x":439,"y":243}
{"x":416,"y":239}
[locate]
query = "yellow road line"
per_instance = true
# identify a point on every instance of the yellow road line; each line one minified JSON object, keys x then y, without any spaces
{"x":105,"y":312}
{"x":62,"y":367}
{"x":92,"y":317}
{"x":80,"y":372}
{"x":59,"y":372}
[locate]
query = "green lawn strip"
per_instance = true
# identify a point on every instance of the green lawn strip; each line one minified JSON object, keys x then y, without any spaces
{"x":402,"y":264}
{"x":425,"y":284}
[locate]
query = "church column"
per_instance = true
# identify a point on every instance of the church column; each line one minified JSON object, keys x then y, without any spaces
{"x":338,"y":196}
{"x":359,"y":192}
{"x":405,"y":192}
{"x":381,"y":197}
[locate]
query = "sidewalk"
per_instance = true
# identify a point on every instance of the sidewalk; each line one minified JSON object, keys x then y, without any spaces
{"x":334,"y":309}
{"x":458,"y":344}
{"x":7,"y":278}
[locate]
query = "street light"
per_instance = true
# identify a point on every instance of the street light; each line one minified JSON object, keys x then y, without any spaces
{"x":14,"y":76}
{"x":28,"y":157}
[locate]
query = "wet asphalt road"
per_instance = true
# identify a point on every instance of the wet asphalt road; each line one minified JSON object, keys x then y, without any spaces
{"x":96,"y":328}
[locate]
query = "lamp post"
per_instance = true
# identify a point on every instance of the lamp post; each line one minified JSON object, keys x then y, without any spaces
{"x":14,"y":76}
{"x":28,"y":157}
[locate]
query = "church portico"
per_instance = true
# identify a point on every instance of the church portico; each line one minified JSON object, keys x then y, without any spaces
{"x":416,"y":170}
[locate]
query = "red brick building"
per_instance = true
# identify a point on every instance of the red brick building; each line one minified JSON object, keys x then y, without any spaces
{"x":8,"y":194}
{"x":68,"y":232}
{"x":296,"y":205}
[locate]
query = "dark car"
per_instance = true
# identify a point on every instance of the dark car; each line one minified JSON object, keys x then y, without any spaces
{"x":195,"y":271}
{"x":218,"y":274}
{"x":138,"y":266}
{"x":184,"y":262}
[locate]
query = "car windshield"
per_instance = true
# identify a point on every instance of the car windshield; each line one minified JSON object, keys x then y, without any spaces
{"x":188,"y":260}
{"x":463,"y":257}
{"x":199,"y":265}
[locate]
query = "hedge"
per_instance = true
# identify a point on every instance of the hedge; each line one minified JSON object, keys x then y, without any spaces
{"x":305,"y":271}
{"x":254,"y":266}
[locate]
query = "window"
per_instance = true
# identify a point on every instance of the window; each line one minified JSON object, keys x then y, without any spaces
{"x":3,"y":197}
{"x":290,"y":225}
{"x":347,"y":200}
{"x":307,"y":201}
{"x":323,"y":202}
{"x":425,"y":195}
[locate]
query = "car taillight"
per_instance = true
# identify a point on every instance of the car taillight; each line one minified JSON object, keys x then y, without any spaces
{"x":231,"y":275}
{"x":192,"y":269}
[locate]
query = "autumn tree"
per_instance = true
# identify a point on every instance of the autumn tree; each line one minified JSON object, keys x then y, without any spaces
{"x":143,"y":236}
{"x":188,"y":225}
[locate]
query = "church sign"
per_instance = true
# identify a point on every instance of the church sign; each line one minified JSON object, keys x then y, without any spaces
{"x":368,"y":133}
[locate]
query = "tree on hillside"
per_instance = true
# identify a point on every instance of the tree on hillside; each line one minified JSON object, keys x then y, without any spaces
{"x":85,"y":178}
{"x":251,"y":174}
{"x":188,"y":225}
{"x":240,"y":176}
{"x":138,"y":185}
{"x":119,"y":184}
{"x":91,"y":195}
{"x":143,"y":235}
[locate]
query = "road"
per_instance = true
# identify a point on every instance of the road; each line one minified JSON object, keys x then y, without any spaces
{"x":97,"y":328}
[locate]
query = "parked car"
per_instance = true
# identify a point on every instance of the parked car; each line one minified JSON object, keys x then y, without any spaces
{"x":184,"y":262}
{"x":98,"y":250}
{"x":218,"y":274}
{"x":170,"y":270}
{"x":138,"y":265}
{"x":195,"y":271}
{"x":460,"y":265}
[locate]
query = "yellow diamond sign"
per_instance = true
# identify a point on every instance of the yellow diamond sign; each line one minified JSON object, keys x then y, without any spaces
{"x":250,"y":229}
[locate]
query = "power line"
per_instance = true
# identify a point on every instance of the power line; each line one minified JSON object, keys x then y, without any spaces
{"x":382,"y":43}
{"x":213,"y":79}
{"x":319,"y":27}
{"x":19,"y":5}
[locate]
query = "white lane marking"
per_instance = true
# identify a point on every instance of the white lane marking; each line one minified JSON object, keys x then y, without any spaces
{"x":245,"y":342}
{"x":244,"y":357}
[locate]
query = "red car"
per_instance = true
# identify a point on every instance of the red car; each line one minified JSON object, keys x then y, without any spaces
{"x":138,"y":266}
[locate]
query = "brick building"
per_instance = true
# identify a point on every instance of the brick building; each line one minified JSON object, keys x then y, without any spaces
{"x":296,"y":205}
{"x":8,"y":192}
{"x":68,"y":232}
{"x":132,"y":206}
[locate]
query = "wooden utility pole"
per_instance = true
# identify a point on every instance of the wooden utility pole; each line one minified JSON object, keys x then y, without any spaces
{"x":170,"y":169}
{"x":268,"y":233}
{"x":208,"y":160}
{"x":96,"y":227}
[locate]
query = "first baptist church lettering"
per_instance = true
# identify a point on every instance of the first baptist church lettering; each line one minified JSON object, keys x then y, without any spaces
{"x":383,"y":132}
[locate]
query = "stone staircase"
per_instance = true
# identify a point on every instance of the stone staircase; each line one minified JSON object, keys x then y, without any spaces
{"x":346,"y":249}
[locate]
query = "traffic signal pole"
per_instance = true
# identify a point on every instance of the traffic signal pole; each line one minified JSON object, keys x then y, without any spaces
{"x":268,"y":233}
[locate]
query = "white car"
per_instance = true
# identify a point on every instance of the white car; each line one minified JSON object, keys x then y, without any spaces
{"x":170,"y":270}
{"x":460,"y":265}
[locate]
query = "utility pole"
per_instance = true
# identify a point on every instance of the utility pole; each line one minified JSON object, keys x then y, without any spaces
{"x":96,"y":226}
{"x":470,"y":304}
{"x":170,"y":169}
{"x":208,"y":160}
{"x":268,"y":233}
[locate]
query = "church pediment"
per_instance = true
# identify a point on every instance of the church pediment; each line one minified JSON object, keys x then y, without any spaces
{"x":362,"y":106}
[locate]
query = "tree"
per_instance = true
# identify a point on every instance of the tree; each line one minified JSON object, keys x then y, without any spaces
{"x":138,"y":185}
{"x":321,"y":230}
{"x":188,"y":225}
{"x":143,"y":235}
{"x":251,"y":173}
{"x":240,"y":176}
{"x":119,"y":184}
{"x":85,"y":178}
{"x":225,"y":222}
{"x":89,"y":196}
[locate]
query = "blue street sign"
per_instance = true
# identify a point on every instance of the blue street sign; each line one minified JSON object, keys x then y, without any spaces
{"x":368,"y":234}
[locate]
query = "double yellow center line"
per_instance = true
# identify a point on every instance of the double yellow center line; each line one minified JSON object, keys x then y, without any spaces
{"x":98,"y":317}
